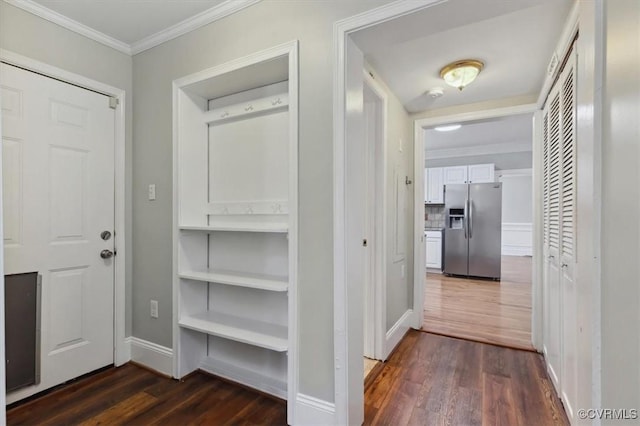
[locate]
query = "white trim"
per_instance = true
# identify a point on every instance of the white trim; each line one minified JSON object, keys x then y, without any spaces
{"x":509,"y":173}
{"x":492,"y":149}
{"x":476,"y":115}
{"x":419,"y":243}
{"x":70,"y":24}
{"x":3,"y":396}
{"x":341,"y":31}
{"x":380,"y":237}
{"x":216,"y":13}
{"x":569,"y":31}
{"x":244,"y":376}
{"x":208,"y":16}
{"x":517,"y":239}
{"x":120,"y":352}
{"x":314,"y":411}
{"x":152,"y":355}
{"x":397,"y":332}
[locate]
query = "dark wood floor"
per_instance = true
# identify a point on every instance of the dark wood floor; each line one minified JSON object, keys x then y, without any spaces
{"x":130,"y":395}
{"x":428,"y":380}
{"x":434,"y":380}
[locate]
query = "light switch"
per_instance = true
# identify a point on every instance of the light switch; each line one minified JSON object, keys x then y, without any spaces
{"x":152,"y":192}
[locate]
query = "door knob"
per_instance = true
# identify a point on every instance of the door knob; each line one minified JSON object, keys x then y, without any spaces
{"x":106,"y":254}
{"x":105,"y":235}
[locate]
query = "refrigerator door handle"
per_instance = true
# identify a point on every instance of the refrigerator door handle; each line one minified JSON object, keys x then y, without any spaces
{"x":466,"y":218}
{"x":470,"y":219}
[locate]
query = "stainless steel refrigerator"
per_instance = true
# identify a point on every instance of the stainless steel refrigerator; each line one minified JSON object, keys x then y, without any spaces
{"x":473,"y":228}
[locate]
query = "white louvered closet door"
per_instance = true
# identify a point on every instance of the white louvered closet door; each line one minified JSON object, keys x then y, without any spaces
{"x":559,"y":218}
{"x":552,"y":203}
{"x":568,"y":236}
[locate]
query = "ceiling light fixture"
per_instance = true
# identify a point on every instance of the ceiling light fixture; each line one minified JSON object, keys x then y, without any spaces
{"x":448,"y":127}
{"x":461,"y":73}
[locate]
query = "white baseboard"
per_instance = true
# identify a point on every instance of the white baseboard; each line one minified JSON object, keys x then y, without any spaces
{"x":397,"y":332}
{"x":313,"y":411}
{"x":517,"y":239}
{"x":151,"y":355}
{"x":245,"y":376}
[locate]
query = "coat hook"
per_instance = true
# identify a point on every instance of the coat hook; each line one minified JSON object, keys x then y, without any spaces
{"x":407,"y":181}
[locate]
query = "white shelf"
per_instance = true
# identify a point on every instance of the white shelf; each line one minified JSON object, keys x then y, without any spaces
{"x":241,"y":279}
{"x":276,"y":227}
{"x":244,"y":330}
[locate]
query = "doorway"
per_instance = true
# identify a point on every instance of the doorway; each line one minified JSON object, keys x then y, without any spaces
{"x":351,"y":51}
{"x":491,"y":301}
{"x":62,"y":203}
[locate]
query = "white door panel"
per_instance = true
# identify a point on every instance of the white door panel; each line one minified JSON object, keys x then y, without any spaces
{"x":58,"y":170}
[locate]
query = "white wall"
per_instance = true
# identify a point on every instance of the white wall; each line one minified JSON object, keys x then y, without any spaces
{"x":36,"y":38}
{"x":517,"y":198}
{"x":399,"y":139}
{"x":505,"y":161}
{"x":621,"y":207}
{"x":258,"y":27}
{"x":517,"y":212}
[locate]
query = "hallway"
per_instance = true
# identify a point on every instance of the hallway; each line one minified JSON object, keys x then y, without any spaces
{"x":433,"y":380}
{"x":482,"y":310}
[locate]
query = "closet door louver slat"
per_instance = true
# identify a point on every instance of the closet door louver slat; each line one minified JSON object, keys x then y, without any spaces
{"x":568,"y":165}
{"x":545,"y":178}
{"x":554,"y":172}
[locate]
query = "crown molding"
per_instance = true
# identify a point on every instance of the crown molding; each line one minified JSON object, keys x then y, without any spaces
{"x":68,"y":23}
{"x":217,"y":12}
{"x":467,"y":151}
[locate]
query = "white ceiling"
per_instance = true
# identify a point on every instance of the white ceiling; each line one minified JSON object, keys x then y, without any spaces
{"x":132,"y":26}
{"x":129,"y":20}
{"x":515,"y":39}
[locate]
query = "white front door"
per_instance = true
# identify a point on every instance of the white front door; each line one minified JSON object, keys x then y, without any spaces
{"x":58,"y":171}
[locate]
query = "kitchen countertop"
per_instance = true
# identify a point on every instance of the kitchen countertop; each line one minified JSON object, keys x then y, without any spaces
{"x":433,"y":229}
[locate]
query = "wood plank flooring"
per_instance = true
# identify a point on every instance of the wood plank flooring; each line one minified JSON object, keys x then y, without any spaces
{"x":428,"y":380}
{"x":130,"y":395}
{"x":497,"y":312}
{"x":437,"y":380}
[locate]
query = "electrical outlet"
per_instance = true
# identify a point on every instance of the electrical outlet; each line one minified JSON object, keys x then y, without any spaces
{"x":154,"y":309}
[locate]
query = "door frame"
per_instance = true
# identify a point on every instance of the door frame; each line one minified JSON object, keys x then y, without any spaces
{"x":121,"y":350}
{"x":420,"y":126}
{"x":375,"y":292}
{"x":345,"y":324}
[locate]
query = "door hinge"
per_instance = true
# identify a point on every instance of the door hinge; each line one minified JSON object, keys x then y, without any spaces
{"x":113,"y":102}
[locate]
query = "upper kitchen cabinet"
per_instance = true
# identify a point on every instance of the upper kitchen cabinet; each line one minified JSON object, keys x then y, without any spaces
{"x":481,"y":173}
{"x":457,"y":174}
{"x":477,"y":173}
{"x":433,"y":186}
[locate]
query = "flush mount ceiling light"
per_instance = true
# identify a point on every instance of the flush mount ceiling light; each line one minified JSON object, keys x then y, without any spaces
{"x":461,"y":73}
{"x":448,"y":127}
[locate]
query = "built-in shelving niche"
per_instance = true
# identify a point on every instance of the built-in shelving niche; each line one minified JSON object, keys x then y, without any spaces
{"x":235,"y":227}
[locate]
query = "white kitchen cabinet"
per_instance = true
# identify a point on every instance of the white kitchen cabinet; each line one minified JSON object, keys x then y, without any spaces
{"x":456,"y":174}
{"x":235,"y":223}
{"x":433,"y":186}
{"x":481,"y":173}
{"x":434,"y":249}
{"x":476,"y":173}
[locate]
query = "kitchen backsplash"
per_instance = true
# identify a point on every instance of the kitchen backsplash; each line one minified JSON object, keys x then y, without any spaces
{"x":434,"y":217}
